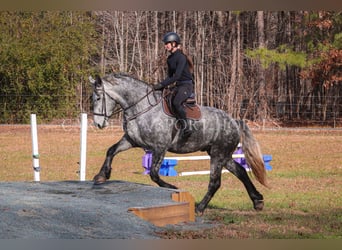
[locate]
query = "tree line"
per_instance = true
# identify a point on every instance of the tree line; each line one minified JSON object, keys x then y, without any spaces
{"x":257,"y":65}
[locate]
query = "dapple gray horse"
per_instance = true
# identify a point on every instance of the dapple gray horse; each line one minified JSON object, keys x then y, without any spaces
{"x":148,"y":127}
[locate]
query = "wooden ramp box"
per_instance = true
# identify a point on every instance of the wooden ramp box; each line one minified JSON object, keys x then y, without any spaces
{"x":173,"y":213}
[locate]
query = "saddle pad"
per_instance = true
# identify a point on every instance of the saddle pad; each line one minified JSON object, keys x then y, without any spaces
{"x":192,"y":111}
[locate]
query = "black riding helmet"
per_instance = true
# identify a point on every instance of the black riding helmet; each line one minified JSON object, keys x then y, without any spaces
{"x":171,"y":37}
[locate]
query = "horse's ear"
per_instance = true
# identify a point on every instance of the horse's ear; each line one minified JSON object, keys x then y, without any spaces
{"x":97,"y":82}
{"x":91,"y":80}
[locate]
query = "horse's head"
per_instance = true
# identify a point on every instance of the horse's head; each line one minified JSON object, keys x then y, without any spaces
{"x":103,"y":104}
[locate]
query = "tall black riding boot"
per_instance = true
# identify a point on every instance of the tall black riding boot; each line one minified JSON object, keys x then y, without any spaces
{"x":185,"y":130}
{"x":185,"y":126}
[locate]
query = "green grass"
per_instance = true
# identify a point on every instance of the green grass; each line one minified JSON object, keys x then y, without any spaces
{"x":304,"y":201}
{"x":281,"y":223}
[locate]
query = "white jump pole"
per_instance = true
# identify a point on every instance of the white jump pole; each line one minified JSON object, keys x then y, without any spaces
{"x":83,"y":156}
{"x":35,"y":154}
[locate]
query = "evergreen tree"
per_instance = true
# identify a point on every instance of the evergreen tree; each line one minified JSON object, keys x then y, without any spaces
{"x":45,"y":57}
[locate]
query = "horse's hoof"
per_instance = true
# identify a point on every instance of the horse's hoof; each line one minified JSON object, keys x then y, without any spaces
{"x":258,"y":205}
{"x":198,"y":211}
{"x":99,"y":179}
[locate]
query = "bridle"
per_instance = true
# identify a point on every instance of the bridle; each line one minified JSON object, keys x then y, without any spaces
{"x":120,"y":109}
{"x":104,"y":106}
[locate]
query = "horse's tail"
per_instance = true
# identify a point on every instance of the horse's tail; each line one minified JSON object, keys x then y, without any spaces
{"x":252,"y":152}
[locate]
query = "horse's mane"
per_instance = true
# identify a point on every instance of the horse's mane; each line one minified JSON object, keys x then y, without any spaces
{"x":125,"y":75}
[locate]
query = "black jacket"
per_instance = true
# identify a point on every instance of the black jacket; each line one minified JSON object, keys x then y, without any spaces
{"x":178,"y":69}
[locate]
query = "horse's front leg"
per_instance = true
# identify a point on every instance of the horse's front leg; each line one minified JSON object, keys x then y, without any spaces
{"x":105,"y":171}
{"x":157,"y":159}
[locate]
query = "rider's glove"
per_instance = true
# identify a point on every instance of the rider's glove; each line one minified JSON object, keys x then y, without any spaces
{"x":158,"y":86}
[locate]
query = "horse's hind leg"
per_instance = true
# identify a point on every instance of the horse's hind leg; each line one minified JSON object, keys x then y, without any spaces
{"x":241,"y":173}
{"x":214,"y":183}
{"x":105,"y":170}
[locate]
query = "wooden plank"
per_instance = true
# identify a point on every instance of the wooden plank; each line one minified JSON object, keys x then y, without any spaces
{"x":182,"y":211}
{"x":186,"y":197}
{"x":163,"y":215}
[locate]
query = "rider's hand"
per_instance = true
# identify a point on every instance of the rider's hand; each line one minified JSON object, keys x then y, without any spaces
{"x":157,"y":86}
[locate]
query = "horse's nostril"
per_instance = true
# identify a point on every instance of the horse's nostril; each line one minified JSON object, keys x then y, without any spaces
{"x":97,"y":125}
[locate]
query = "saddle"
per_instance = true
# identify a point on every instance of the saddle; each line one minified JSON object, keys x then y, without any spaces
{"x":191,"y":108}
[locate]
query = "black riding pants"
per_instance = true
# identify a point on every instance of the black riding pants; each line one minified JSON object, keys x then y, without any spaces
{"x":183,"y":92}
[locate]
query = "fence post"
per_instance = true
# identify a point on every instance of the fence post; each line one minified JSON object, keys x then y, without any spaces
{"x":83,"y":156}
{"x":35,"y":154}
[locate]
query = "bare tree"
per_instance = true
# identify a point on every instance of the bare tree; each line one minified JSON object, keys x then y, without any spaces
{"x":217,"y":42}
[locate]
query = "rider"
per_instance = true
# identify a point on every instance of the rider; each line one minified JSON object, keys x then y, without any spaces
{"x":180,"y":69}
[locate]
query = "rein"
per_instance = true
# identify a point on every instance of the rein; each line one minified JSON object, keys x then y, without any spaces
{"x":120,"y":109}
{"x":148,"y":108}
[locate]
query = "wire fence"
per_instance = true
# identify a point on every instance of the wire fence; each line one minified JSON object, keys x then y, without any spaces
{"x":279,"y":114}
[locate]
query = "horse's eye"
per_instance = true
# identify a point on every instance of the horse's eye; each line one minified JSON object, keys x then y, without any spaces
{"x":96,"y":98}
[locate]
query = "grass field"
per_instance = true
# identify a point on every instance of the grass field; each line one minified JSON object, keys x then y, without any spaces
{"x":304,"y":200}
